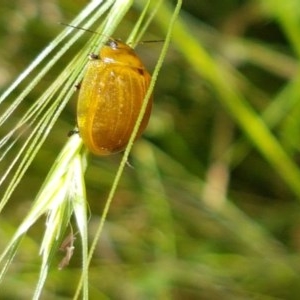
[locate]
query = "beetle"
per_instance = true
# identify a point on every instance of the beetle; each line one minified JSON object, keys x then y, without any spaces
{"x":110,"y":98}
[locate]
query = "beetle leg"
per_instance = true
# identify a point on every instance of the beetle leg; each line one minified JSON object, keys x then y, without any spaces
{"x":77,"y":86}
{"x":93,"y":56}
{"x":129,"y":164}
{"x":73,"y":131}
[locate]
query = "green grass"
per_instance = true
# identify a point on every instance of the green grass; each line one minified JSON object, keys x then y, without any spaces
{"x":210,"y":208}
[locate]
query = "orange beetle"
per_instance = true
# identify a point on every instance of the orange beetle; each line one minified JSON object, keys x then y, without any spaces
{"x":110,"y":98}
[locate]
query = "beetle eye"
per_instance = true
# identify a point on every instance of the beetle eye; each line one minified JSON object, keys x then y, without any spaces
{"x":112,"y":44}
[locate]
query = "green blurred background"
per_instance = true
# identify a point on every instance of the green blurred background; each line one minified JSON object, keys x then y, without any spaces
{"x":202,"y":214}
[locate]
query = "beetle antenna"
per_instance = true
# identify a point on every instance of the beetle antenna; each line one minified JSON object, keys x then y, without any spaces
{"x":78,"y":27}
{"x":151,"y":41}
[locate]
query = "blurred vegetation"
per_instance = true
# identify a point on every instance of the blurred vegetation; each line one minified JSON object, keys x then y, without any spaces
{"x":208,"y":210}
